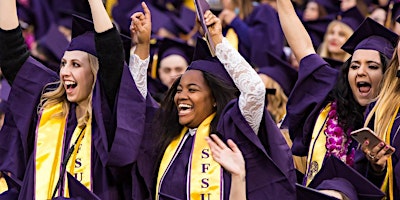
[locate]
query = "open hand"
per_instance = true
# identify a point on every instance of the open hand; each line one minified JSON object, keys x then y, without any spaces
{"x":230,"y":158}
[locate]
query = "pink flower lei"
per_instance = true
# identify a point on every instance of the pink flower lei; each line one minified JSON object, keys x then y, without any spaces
{"x":337,"y":142}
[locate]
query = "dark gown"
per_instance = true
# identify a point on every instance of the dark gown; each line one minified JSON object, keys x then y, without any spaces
{"x":258,"y":33}
{"x":310,"y":95}
{"x":269,"y":166}
{"x":117,"y":119}
{"x":362,"y":164}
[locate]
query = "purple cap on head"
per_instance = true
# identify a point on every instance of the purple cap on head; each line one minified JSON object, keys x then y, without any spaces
{"x":331,"y":6}
{"x":352,"y":17}
{"x":396,"y":11}
{"x":203,"y":61}
{"x":54,"y":41}
{"x":373,"y":36}
{"x":281,"y":71}
{"x":352,"y":184}
{"x":82,"y":36}
{"x":167,"y":47}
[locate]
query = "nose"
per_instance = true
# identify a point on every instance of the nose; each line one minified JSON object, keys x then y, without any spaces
{"x":182,"y":95}
{"x":65,"y":70}
{"x":361,"y":71}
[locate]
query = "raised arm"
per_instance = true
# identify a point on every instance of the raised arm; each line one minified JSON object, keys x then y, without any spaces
{"x":250,"y":85}
{"x":139,"y":61}
{"x":110,"y":52}
{"x":13,"y":51}
{"x":295,"y":33}
{"x":8,"y":15}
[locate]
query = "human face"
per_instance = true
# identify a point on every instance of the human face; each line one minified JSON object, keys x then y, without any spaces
{"x":379,"y":15}
{"x":365,"y":75}
{"x":76,"y":76}
{"x":171,"y":67}
{"x":336,"y":37}
{"x":311,"y":12}
{"x":193,"y":99}
{"x":347,"y":4}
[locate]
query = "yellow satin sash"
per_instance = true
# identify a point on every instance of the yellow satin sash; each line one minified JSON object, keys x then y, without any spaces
{"x":387,"y":186}
{"x":232,"y":38}
{"x":317,"y":149}
{"x":3,"y":185}
{"x":49,"y":150}
{"x":205,"y":174}
{"x":110,"y":5}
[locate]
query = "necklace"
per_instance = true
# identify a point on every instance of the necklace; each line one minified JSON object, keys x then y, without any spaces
{"x":337,"y":141}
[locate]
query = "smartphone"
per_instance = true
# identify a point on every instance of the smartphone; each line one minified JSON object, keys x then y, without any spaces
{"x":365,"y":133}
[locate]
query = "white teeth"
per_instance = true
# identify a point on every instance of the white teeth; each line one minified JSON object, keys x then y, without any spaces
{"x":69,"y":82}
{"x":184,"y":106}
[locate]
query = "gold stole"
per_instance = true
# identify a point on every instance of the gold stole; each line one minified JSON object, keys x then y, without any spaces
{"x":317,"y":150}
{"x":3,"y":184}
{"x":48,"y":153}
{"x":205,"y":174}
{"x":110,"y":5}
{"x":387,"y":186}
{"x":232,"y":37}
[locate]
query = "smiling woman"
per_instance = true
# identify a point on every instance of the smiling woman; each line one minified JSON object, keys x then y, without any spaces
{"x":177,"y":161}
{"x":320,"y":120}
{"x":64,"y":131}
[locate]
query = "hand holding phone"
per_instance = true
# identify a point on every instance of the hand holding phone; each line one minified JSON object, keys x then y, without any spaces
{"x":366,"y":133}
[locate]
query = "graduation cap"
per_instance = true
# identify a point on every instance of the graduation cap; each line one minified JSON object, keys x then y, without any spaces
{"x":352,"y":184}
{"x":204,"y":61}
{"x":303,"y":192}
{"x":372,"y":35}
{"x":83,"y":37}
{"x":281,"y":71}
{"x":331,"y":6}
{"x":169,"y":47}
{"x":54,"y":42}
{"x":396,"y":11}
{"x":317,"y":29}
{"x":352,"y":17}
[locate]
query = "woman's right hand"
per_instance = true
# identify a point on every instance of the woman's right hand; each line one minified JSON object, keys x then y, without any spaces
{"x":378,"y":155}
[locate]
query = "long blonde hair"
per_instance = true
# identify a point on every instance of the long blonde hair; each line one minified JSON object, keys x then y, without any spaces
{"x":277,"y":102}
{"x":323,"y":49}
{"x":388,"y":99}
{"x":53,"y":97}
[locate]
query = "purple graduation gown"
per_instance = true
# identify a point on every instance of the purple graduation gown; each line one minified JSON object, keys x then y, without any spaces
{"x":116,"y":132}
{"x":315,"y":80}
{"x":362,"y":164}
{"x":259,"y":32}
{"x":269,"y":166}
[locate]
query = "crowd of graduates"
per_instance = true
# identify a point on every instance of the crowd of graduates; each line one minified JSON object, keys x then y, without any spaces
{"x":129,"y":99}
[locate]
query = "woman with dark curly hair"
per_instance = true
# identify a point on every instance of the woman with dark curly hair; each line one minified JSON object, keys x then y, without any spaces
{"x":326,"y":105}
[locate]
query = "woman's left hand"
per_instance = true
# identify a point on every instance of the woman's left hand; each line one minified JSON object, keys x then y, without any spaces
{"x":214,"y":26}
{"x":230,"y":158}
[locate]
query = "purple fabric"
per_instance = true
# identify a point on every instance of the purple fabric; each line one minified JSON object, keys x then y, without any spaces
{"x":281,"y":71}
{"x":213,"y":67}
{"x":331,"y":6}
{"x":316,"y":29}
{"x":352,"y":17}
{"x":362,"y":164}
{"x":371,"y":35}
{"x":316,"y":79}
{"x":263,"y":32}
{"x":84,"y":42}
{"x":54,"y":41}
{"x":269,"y":164}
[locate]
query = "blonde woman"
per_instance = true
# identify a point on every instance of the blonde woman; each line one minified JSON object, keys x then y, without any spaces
{"x":379,"y":164}
{"x":71,"y":130}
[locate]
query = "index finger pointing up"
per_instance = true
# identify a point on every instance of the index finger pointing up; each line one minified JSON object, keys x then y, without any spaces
{"x":146,"y":10}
